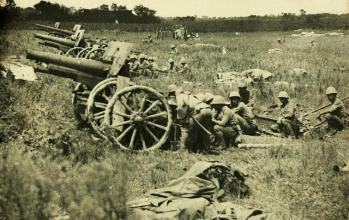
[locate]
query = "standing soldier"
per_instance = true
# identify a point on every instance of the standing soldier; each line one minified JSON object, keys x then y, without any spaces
{"x":335,"y":114}
{"x":242,"y":114}
{"x":195,"y":118}
{"x":224,"y":125}
{"x":184,"y":67}
{"x":287,"y":123}
{"x":246,"y":95}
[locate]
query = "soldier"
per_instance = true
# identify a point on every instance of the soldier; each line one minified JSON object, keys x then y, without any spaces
{"x":174,"y":49}
{"x":287,"y":123}
{"x":224,"y":124}
{"x":195,"y":118}
{"x":184,"y":67}
{"x":133,"y":64}
{"x":335,"y":114}
{"x":171,"y":90}
{"x":143,"y":66}
{"x":245,"y":94}
{"x":170,"y":66}
{"x":243,"y":114}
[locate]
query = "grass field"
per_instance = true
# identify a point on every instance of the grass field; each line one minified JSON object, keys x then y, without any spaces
{"x":50,"y":167}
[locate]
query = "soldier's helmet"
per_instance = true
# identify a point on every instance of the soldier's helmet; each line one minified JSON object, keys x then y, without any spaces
{"x":283,"y":94}
{"x":142,"y":56}
{"x":151,"y":58}
{"x":172,"y":88}
{"x":133,"y":56}
{"x":331,"y":90}
{"x":234,"y":94}
{"x":242,"y":84}
{"x":173,"y":46}
{"x":218,"y":100}
{"x":208,"y":97}
{"x":183,"y":61}
{"x":170,"y":60}
{"x":200,"y":96}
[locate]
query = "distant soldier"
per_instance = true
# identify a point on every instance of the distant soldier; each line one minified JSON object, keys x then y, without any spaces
{"x":195,"y":118}
{"x":174,"y":49}
{"x":335,"y":115}
{"x":133,"y":64}
{"x":246,"y":95}
{"x":224,"y":124}
{"x":243,"y":114}
{"x":171,"y":65}
{"x":287,"y":123}
{"x":184,"y":67}
{"x":148,"y":39}
{"x":153,"y":67}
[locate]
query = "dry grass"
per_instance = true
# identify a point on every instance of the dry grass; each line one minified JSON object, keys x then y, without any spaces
{"x":295,"y":181}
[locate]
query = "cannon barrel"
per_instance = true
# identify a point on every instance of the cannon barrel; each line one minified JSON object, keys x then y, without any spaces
{"x":59,"y":31}
{"x":59,"y":40}
{"x":92,"y":67}
{"x":55,"y":45}
{"x":73,"y":74}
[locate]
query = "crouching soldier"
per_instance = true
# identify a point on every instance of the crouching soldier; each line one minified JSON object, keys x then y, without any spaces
{"x":195,"y":119}
{"x":287,"y":123}
{"x":224,"y":125}
{"x":335,"y":115}
{"x":243,"y":114}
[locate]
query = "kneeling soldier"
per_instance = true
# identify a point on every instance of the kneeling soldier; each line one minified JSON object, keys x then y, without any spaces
{"x":225,"y":127}
{"x":242,"y":114}
{"x":335,"y":114}
{"x":287,"y":123}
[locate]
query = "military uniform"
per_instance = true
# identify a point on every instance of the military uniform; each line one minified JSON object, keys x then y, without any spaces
{"x":245,"y":118}
{"x":247,"y":97}
{"x":287,"y":123}
{"x":335,"y":115}
{"x":189,"y":107}
{"x":183,"y":68}
{"x":225,"y":127}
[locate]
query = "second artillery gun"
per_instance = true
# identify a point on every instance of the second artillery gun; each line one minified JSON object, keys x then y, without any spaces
{"x":133,"y":117}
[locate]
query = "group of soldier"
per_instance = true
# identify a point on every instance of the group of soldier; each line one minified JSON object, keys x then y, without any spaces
{"x":210,"y":122}
{"x":144,"y":65}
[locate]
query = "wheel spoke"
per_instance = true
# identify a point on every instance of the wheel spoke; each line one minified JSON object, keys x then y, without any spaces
{"x":134,"y":100}
{"x":133,"y":138}
{"x":125,"y":105}
{"x":121,"y":114}
{"x":157,"y":115}
{"x":143,"y":103}
{"x":124,"y":133}
{"x":105,"y":97}
{"x":100,"y":105}
{"x":144,"y":145}
{"x":156,"y":125}
{"x":151,"y":133}
{"x":121,"y":124}
{"x":151,"y":106}
{"x":98,"y":115}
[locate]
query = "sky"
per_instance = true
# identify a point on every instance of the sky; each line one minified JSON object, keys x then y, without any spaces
{"x":214,"y":8}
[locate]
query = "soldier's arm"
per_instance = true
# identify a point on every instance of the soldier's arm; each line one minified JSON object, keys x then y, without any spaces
{"x":225,"y":119}
{"x":337,"y":104}
{"x":288,"y":111}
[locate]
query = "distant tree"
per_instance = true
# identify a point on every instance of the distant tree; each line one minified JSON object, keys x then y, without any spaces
{"x":104,"y":7}
{"x":122,"y":8}
{"x":303,"y":12}
{"x":114,"y":7}
{"x":143,"y":11}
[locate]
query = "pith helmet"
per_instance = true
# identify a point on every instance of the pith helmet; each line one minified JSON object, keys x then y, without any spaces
{"x":234,"y":94}
{"x":133,"y":56}
{"x":200,"y":96}
{"x":218,"y":100}
{"x":173,"y":46}
{"x":283,"y":94}
{"x":242,"y":84}
{"x":142,"y":56}
{"x":331,"y":90}
{"x":208,"y":97}
{"x":151,"y":58}
{"x":183,"y":61}
{"x":172,"y":88}
{"x":170,"y":60}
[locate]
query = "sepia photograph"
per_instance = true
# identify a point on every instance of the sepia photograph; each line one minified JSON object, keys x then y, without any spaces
{"x":174,"y":110}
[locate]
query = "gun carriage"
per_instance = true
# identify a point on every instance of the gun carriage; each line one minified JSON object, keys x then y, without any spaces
{"x":133,"y":117}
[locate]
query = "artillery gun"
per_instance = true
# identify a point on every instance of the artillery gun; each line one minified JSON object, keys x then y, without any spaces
{"x":133,"y":117}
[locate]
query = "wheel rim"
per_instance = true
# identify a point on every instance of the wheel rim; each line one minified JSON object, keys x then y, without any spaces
{"x":73,"y":52}
{"x":83,"y":52}
{"x":94,"y":54}
{"x":138,"y":118}
{"x":97,"y":103}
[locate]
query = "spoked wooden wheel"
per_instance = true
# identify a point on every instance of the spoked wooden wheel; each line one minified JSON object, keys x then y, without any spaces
{"x":97,"y":103}
{"x":79,"y":100}
{"x":95,"y":54}
{"x":138,"y":118}
{"x":73,"y":52}
{"x":83,"y":52}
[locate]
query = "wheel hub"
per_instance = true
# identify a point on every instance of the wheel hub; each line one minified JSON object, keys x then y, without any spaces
{"x":138,"y":119}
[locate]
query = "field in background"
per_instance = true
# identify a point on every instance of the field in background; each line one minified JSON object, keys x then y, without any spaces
{"x":50,"y":167}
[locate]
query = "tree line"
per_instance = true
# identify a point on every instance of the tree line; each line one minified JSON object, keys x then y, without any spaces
{"x":120,"y":14}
